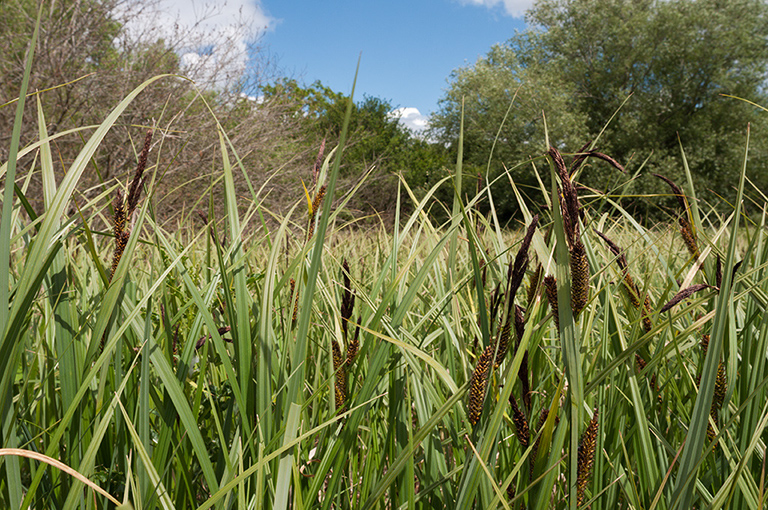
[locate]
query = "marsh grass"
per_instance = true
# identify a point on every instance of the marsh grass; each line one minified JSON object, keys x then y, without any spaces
{"x":337,"y":368}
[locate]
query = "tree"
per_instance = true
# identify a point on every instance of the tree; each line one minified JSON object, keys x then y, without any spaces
{"x":87,"y":60}
{"x":583,"y":58}
{"x":503,"y":100}
{"x":376,"y":142}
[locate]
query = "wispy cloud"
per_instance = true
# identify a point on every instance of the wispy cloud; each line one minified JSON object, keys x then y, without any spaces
{"x":515,"y":8}
{"x":411,"y":118}
{"x":211,"y":38}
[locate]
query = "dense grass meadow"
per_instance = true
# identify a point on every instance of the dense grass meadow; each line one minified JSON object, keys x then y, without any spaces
{"x":580,"y":358}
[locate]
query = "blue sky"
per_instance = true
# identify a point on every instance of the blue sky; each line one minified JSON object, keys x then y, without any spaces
{"x":408,"y":47}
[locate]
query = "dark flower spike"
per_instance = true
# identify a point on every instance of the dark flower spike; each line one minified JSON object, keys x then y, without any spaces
{"x":617,"y":252}
{"x":519,"y":324}
{"x":134,"y":191}
{"x":339,"y":367}
{"x":569,"y":201}
{"x":629,"y":283}
{"x":316,"y":203}
{"x":318,"y":200}
{"x":704,"y":344}
{"x":550,"y":287}
{"x":295,"y":313}
{"x":736,"y":267}
{"x":599,"y":155}
{"x":119,"y":205}
{"x":675,"y":191}
{"x":347,"y":298}
{"x":579,"y":158}
{"x":646,"y":313}
{"x":201,"y":341}
{"x":515,"y":274}
{"x":533,"y":283}
{"x":318,"y":162}
{"x":689,"y":238}
{"x":719,"y":273}
{"x":641,"y":363}
{"x":354,"y":345}
{"x":686,"y":230}
{"x":503,"y":344}
{"x":557,"y":158}
{"x":521,"y":423}
{"x":684,"y":294}
{"x":521,"y":260}
{"x":721,"y":387}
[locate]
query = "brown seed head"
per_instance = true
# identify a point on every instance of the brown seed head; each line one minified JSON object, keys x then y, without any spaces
{"x":519,"y":325}
{"x":684,"y":294}
{"x":689,"y":237}
{"x":341,"y":376}
{"x":521,"y":423}
{"x":318,"y":162}
{"x":503,"y":347}
{"x":522,"y":374}
{"x":704,"y":344}
{"x":719,"y":273}
{"x":318,"y":201}
{"x":586,"y":458}
{"x":478,"y":385}
{"x":121,"y":241}
{"x":354,"y":345}
{"x":641,"y":363}
{"x":295,"y":313}
{"x":721,"y":386}
{"x":550,"y":287}
{"x":569,"y":200}
{"x":646,"y":314}
{"x":579,"y":158}
{"x":134,"y":190}
{"x":119,"y":206}
{"x":521,"y":260}
{"x":579,"y":277}
{"x":631,"y":288}
{"x":676,"y":191}
{"x":599,"y":155}
{"x":533,"y":283}
{"x":617,"y":252}
{"x":347,"y":298}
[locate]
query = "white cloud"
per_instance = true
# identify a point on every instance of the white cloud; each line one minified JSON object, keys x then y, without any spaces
{"x":411,"y":118}
{"x":515,"y":8}
{"x":211,"y":38}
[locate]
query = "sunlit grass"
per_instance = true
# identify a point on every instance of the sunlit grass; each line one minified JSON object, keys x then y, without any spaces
{"x":217,"y":383}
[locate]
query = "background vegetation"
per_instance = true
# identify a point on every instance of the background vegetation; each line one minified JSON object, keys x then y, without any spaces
{"x":646,"y":76}
{"x":658,"y":71}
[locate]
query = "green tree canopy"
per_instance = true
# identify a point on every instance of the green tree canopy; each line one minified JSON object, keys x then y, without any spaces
{"x":581,"y":59}
{"x":377,"y":141}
